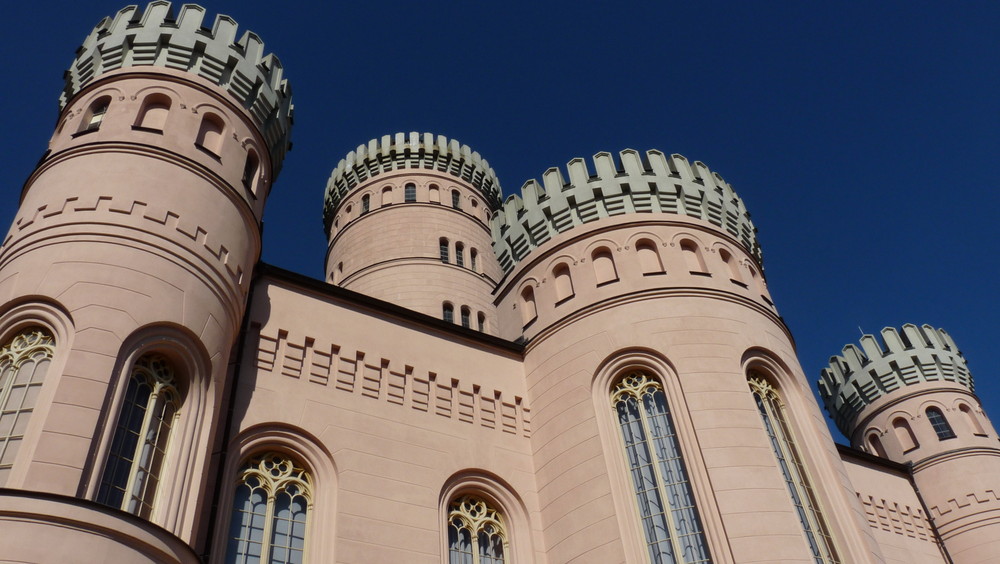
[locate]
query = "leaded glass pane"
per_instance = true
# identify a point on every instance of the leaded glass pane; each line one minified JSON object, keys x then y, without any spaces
{"x":23,"y":364}
{"x":476,"y":533}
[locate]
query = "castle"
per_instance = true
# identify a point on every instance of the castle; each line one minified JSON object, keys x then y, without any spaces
{"x":592,"y":371}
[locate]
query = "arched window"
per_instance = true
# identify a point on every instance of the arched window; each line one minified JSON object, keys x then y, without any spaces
{"x":604,"y":266}
{"x":443,"y":249}
{"x":366,"y":204}
{"x":481,"y":321}
{"x":649,"y":259}
{"x":692,"y":257}
{"x":153,"y":115}
{"x":666,"y":502}
{"x":23,"y":363}
{"x":731,"y":264}
{"x":875,"y":445}
{"x":940,"y":424}
{"x":904,"y":434}
{"x":250,"y":168}
{"x":473,"y":260}
{"x":466,"y":317}
{"x":528,"y":311}
{"x":970,"y":417}
{"x":210,"y":134}
{"x":138,"y":447}
{"x":94,"y":116}
{"x":271,"y":507}
{"x":448,"y":312}
{"x":434,"y":194}
{"x":387,"y":196}
{"x":456,"y":199}
{"x":564,"y":283}
{"x":460,"y":254}
{"x":772,"y":414}
{"x":410,"y":192}
{"x":476,"y":532}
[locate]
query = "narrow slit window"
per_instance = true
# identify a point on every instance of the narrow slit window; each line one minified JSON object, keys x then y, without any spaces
{"x":456,"y":200}
{"x":460,"y":254}
{"x":366,"y":204}
{"x":466,"y":317}
{"x":443,"y":250}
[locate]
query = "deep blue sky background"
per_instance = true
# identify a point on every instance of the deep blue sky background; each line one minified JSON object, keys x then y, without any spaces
{"x":862,"y":136}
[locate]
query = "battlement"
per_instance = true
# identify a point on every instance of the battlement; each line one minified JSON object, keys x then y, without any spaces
{"x":413,"y":150}
{"x":859,"y":377}
{"x":634,"y":183}
{"x":154,"y":37}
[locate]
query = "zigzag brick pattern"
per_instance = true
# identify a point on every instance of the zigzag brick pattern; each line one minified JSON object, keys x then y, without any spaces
{"x":154,"y":37}
{"x":409,"y":151}
{"x":913,"y":355}
{"x":638,"y":183}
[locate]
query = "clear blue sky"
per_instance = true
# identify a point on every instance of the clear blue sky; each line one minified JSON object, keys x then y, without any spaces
{"x":863,"y":137}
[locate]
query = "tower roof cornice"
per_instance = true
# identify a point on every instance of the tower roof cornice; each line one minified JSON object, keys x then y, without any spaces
{"x":901,"y":357}
{"x":154,"y":37}
{"x":409,"y":151}
{"x":636,"y":183}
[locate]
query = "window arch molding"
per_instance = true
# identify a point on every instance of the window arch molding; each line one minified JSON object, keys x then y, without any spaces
{"x":305,"y":449}
{"x":19,"y":316}
{"x":501,"y":496}
{"x":657,"y":367}
{"x":85,"y":108}
{"x":184,"y":462}
{"x":819,"y":473}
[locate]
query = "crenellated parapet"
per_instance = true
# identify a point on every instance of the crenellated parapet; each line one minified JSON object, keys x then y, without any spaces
{"x":637,"y":183}
{"x":409,"y":151}
{"x":155,"y":37}
{"x":914,"y":355}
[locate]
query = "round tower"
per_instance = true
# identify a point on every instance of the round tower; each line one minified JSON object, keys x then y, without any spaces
{"x":407,"y":218}
{"x":636,"y":281}
{"x":909,"y":397}
{"x":132,"y":250}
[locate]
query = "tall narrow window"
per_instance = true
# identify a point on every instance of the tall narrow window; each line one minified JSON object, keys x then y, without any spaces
{"x":154,"y":112}
{"x":731,"y":264}
{"x":210,"y":134}
{"x":250,"y":167}
{"x":138,"y":446}
{"x":95,"y":114}
{"x":528,"y":311}
{"x":459,"y":254}
{"x":970,"y":417}
{"x":443,"y":249}
{"x":434,"y":194}
{"x":23,"y":363}
{"x":666,"y":502}
{"x":271,"y":507}
{"x":473,"y":260}
{"x":387,"y":196}
{"x":604,"y":266}
{"x":692,"y":257}
{"x":564,"y":283}
{"x":481,"y":321}
{"x":476,"y":532}
{"x":366,"y":204}
{"x":448,"y":312}
{"x":466,"y":317}
{"x":940,"y":424}
{"x":649,"y":259}
{"x":875,"y":445}
{"x":772,"y":414}
{"x":904,"y":434}
{"x":410,"y":192}
{"x":456,"y":200}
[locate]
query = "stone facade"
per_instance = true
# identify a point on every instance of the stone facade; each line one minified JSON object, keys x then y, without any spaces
{"x":591,"y":371}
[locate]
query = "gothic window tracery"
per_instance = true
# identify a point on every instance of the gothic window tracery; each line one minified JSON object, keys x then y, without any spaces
{"x":670,"y":518}
{"x":271,"y":508}
{"x":476,"y":532}
{"x":772,"y":414}
{"x":142,"y":432}
{"x":23,"y":364}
